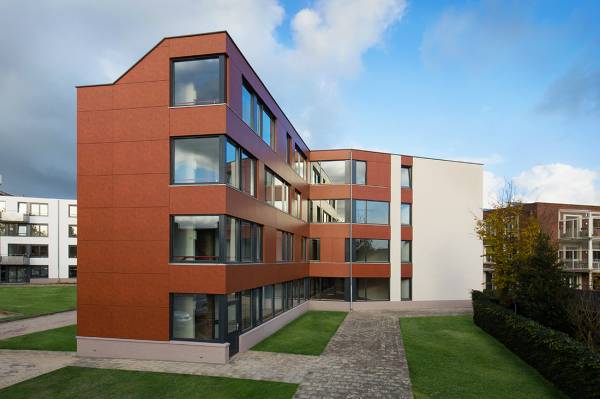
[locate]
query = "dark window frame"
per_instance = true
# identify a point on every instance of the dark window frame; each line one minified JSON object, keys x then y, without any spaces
{"x":348,"y":251}
{"x":222,"y":78}
{"x":409,"y":168}
{"x":256,"y":123}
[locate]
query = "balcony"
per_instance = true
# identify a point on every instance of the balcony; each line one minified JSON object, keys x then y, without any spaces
{"x":14,"y":260}
{"x":15,"y":217}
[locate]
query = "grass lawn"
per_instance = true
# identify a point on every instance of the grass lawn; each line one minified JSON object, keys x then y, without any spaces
{"x":30,"y":300}
{"x":89,"y":383}
{"x":307,"y":335}
{"x":450,"y":357}
{"x":58,"y":339}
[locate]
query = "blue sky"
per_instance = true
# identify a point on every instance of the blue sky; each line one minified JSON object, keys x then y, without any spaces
{"x":512,"y":84}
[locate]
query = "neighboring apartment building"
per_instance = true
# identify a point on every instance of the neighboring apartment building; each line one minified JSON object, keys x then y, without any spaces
{"x":38,"y":240}
{"x":207,"y":223}
{"x":575,"y":230}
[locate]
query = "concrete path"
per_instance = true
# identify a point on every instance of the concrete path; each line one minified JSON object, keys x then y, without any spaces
{"x":18,"y":365}
{"x":11,"y":329}
{"x":364,"y":359}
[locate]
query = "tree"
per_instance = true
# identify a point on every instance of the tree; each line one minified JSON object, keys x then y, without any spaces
{"x":509,"y":239}
{"x":543,"y":292}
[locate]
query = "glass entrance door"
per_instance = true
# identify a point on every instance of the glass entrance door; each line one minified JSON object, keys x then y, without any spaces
{"x":233,"y":324}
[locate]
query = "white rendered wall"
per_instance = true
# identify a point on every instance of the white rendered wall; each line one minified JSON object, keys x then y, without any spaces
{"x":58,"y":239}
{"x":395,"y":226}
{"x":447,"y":199}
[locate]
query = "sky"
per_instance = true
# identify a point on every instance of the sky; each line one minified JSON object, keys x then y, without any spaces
{"x":511,"y":84}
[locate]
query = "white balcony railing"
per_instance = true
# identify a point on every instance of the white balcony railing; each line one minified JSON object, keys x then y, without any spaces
{"x":574,"y":264}
{"x":7,"y":216}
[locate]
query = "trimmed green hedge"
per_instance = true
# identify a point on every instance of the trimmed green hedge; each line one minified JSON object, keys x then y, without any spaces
{"x":567,"y":363}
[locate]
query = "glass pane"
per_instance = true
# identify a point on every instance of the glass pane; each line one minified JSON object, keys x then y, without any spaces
{"x":360,"y":210}
{"x":196,"y":160}
{"x":405,"y":289}
{"x":248,"y":170}
{"x":246,"y":309}
{"x":278,"y":298}
{"x":405,"y":214}
{"x":231,"y":239}
{"x":266,"y":127}
{"x":279,"y":246}
{"x":405,"y":177}
{"x":332,"y":172}
{"x":34,"y":209}
{"x":269,"y":188}
{"x":232,"y":301}
{"x":247,"y":106}
{"x":195,"y":238}
{"x":22,"y":207}
{"x":267,"y":298}
{"x":197,"y":82}
{"x":231,"y":165}
{"x":377,"y":212}
{"x":184,"y":307}
{"x":315,"y":249}
{"x":258,"y":241}
{"x":378,"y":289}
{"x":360,"y":172}
{"x":246,"y":234}
{"x":44,"y":210}
{"x":378,"y":250}
{"x":405,"y":252}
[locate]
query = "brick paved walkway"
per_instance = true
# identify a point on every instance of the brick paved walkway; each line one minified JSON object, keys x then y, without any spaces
{"x":365,"y":359}
{"x":11,"y":329}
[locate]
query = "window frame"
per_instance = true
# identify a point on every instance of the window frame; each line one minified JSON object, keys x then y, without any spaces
{"x":409,"y":169}
{"x":222,"y":78}
{"x":410,"y":221}
{"x":256,"y":118}
{"x":351,"y":248}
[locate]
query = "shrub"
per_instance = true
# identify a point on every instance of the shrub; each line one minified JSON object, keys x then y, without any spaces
{"x":567,"y":363}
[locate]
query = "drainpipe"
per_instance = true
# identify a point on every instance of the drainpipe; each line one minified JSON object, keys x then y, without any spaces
{"x":351,"y":246}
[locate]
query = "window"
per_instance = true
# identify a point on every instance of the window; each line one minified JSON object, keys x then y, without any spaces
{"x":256,"y":306}
{"x":327,"y":288}
{"x":288,"y":148}
{"x":267,"y":302}
{"x":23,"y":230}
{"x":33,"y":251}
{"x":406,"y":251}
{"x":373,"y":289}
{"x":276,"y":191}
{"x":314,"y":249}
{"x":197,"y":239}
{"x":406,"y":214}
{"x":196,"y":160}
{"x":285,"y":246}
{"x":257,"y":115}
{"x":194,"y":317}
{"x":406,"y":289}
{"x":296,"y":204}
{"x":300,"y":163}
{"x":368,"y":250}
{"x":278,"y":298}
{"x":199,"y":81}
{"x":73,"y":251}
{"x":35,"y":209}
{"x":38,"y":230}
{"x":73,"y":230}
{"x":240,"y":168}
{"x":246,"y":309}
{"x":23,"y":208}
{"x":339,"y":172}
{"x":371,"y":212}
{"x":72,"y":271}
{"x":72,"y":211}
{"x":329,"y":211}
{"x":39,"y":271}
{"x":406,"y":177}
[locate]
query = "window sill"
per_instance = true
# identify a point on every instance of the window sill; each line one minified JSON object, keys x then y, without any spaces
{"x":196,"y":105}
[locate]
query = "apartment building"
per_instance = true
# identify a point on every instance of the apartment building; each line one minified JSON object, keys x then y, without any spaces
{"x":575,"y":230}
{"x":207,"y":223}
{"x":38,"y":240}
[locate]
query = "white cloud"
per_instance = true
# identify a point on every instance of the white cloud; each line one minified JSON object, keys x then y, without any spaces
{"x":558,"y":183}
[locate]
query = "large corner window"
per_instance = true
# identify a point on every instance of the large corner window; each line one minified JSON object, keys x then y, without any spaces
{"x":339,"y":172}
{"x":256,"y":115}
{"x":276,"y":191}
{"x":406,"y":177}
{"x":198,"y":81}
{"x":371,"y":212}
{"x":329,"y":211}
{"x":368,"y":250}
{"x":196,"y":160}
{"x":214,"y":238}
{"x":194,"y":317}
{"x":209,"y":160}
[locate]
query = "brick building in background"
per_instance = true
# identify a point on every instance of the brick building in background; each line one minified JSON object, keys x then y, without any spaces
{"x":575,"y":230}
{"x":206,"y":222}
